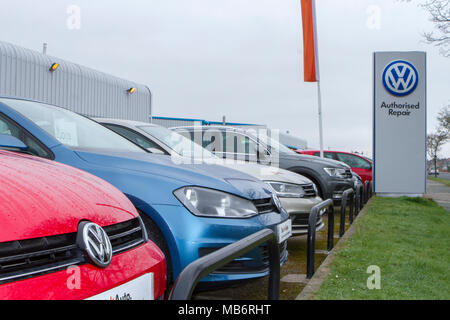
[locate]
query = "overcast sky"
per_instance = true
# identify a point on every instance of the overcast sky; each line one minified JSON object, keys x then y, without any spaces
{"x":239,"y":58}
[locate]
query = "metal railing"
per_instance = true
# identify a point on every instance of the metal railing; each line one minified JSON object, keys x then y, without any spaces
{"x":367,"y":191}
{"x":345,"y":197}
{"x":359,"y":202}
{"x":310,"y":250}
{"x":355,"y":198}
{"x":188,"y":278}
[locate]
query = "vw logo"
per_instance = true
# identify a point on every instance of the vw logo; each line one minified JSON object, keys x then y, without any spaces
{"x":95,"y":242}
{"x":400,"y":78}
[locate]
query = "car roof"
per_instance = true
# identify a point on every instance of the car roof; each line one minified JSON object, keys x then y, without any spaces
{"x":222,"y":128}
{"x":333,"y":151}
{"x":123,"y":122}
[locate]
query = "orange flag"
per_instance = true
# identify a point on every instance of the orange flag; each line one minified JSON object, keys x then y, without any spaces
{"x":310,"y":54}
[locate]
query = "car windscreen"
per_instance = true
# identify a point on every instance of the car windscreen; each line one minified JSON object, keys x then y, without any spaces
{"x":178,"y":143}
{"x":72,"y":129}
{"x":271,"y":142}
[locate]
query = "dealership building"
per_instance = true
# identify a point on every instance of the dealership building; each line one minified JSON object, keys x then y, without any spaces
{"x":36,"y":76}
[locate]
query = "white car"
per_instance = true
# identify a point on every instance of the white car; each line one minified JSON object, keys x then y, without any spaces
{"x":433,"y":172}
{"x":297,"y":193}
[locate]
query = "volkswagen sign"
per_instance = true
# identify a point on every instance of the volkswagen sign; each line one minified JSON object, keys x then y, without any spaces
{"x":400,"y":78}
{"x":399,"y":123}
{"x":94,"y":241}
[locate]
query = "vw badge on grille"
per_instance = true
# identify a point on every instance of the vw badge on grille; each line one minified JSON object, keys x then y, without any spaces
{"x":95,"y":242}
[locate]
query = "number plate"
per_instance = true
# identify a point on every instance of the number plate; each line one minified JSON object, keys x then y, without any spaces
{"x":141,"y":288}
{"x":284,"y":230}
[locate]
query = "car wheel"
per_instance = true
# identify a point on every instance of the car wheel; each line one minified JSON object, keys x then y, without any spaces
{"x":156,"y":236}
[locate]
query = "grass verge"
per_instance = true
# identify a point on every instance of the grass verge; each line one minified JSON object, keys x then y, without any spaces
{"x":444,"y":181}
{"x":408,"y":239}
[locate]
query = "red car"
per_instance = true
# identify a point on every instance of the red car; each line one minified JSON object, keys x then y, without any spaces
{"x":359,"y":164}
{"x":66,"y":234}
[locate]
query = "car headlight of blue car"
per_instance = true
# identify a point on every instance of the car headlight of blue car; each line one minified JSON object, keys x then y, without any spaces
{"x":206,"y":202}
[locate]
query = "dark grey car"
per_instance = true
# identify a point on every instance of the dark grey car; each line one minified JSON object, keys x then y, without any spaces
{"x":331,"y":177}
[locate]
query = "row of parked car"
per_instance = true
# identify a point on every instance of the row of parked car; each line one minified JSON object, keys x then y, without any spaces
{"x":115,"y":209}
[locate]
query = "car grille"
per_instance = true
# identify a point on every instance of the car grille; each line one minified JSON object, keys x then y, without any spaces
{"x":265,"y":205}
{"x":126,"y":235}
{"x":309,"y":190}
{"x":34,"y":257}
{"x":248,"y":264}
{"x":302,"y":220}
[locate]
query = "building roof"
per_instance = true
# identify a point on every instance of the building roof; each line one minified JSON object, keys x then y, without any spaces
{"x":24,"y":73}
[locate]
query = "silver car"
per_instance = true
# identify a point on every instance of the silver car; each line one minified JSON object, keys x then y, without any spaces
{"x":297,"y":193}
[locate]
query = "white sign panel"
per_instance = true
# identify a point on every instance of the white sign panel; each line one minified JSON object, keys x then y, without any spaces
{"x":399,"y":123}
{"x":141,"y":288}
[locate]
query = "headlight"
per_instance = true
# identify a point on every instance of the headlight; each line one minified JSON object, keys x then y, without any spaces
{"x":287,"y":190}
{"x":212,"y":203}
{"x":335,"y":172}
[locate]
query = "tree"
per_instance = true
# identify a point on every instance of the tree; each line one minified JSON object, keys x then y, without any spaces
{"x":444,"y":121}
{"x":439,"y":11}
{"x":435,"y":141}
{"x":440,"y":15}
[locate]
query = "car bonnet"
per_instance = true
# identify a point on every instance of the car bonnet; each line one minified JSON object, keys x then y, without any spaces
{"x":318,"y":160}
{"x":41,"y":198}
{"x":269,"y":173}
{"x":182,"y":174}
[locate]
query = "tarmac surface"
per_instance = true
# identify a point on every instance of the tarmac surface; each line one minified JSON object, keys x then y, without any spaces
{"x":439,"y":193}
{"x":444,"y":175}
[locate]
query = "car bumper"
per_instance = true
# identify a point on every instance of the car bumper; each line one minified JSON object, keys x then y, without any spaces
{"x":337,"y":187}
{"x":85,"y":281}
{"x":194,"y":237}
{"x":299,"y":210}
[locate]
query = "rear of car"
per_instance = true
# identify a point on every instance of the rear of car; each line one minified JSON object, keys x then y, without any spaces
{"x":68,"y":235}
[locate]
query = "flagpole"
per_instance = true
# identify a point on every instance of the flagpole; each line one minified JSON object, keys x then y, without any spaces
{"x":311,"y":56}
{"x":319,"y":99}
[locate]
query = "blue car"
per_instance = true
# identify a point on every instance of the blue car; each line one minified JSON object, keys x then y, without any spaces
{"x":190,"y":210}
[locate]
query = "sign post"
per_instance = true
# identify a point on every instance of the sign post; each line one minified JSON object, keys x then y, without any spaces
{"x":399,"y":123}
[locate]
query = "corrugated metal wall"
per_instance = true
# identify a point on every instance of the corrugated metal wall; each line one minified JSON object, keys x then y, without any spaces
{"x":25,"y":73}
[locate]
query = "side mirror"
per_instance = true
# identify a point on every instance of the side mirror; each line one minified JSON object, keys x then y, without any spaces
{"x":10,"y":142}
